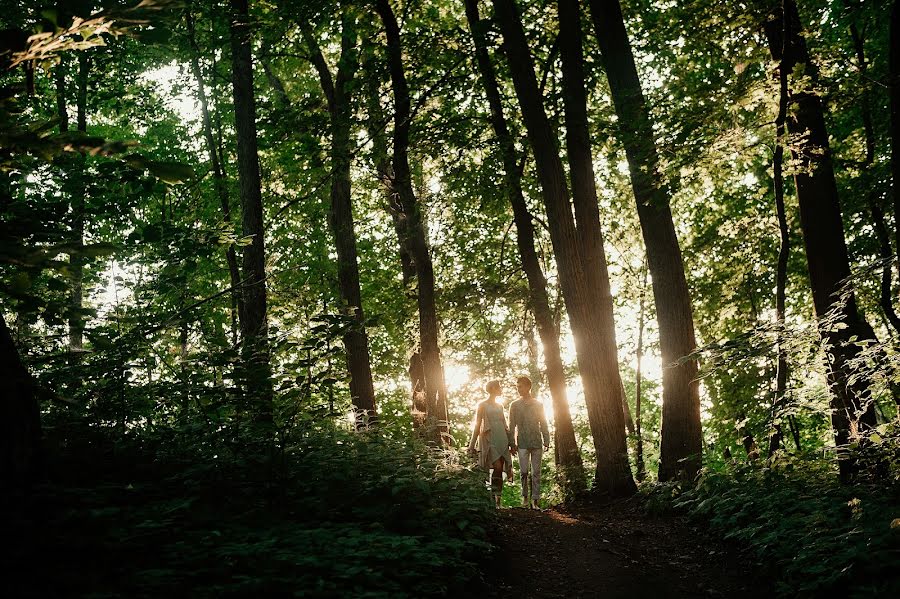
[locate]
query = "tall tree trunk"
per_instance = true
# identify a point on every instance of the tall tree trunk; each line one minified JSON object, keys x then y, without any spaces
{"x":875,"y":211}
{"x":415,"y":235}
{"x":220,"y":180}
{"x":376,"y":122}
{"x":20,"y":424}
{"x":639,"y":355}
{"x":568,"y":456}
{"x":611,"y":392}
{"x":338,"y":93}
{"x":76,"y":259}
{"x":587,"y":306}
{"x":852,"y":408}
{"x":681,"y":440}
{"x":254,"y":328}
{"x":894,"y":84}
{"x":784,"y":248}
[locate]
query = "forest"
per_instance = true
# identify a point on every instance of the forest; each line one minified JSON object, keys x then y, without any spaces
{"x":264,"y":264}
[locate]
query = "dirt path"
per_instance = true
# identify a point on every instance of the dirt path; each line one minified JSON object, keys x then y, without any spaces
{"x":611,"y":552}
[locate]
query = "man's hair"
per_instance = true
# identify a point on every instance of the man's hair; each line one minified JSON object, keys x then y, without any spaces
{"x":495,"y":384}
{"x":523,"y":380}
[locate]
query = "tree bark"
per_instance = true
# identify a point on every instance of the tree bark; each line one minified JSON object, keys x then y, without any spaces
{"x":784,"y":248}
{"x":254,"y":328}
{"x":76,"y":258}
{"x":588,"y":307}
{"x":338,"y":93}
{"x":611,"y":392}
{"x":681,"y":440}
{"x":220,"y":180}
{"x":20,"y":424}
{"x":437,"y":419}
{"x":568,"y":456}
{"x":376,"y":125}
{"x":875,"y":211}
{"x":639,"y":355}
{"x":852,"y":408}
{"x":894,"y":74}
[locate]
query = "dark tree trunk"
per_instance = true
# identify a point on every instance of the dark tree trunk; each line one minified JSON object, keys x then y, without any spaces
{"x":567,"y":453}
{"x":76,"y":259}
{"x":376,"y":128}
{"x":220,"y":180}
{"x":784,"y":248}
{"x":586,"y":305}
{"x":254,"y":329}
{"x":681,"y":435}
{"x":894,"y":74}
{"x":415,"y":236}
{"x":610,"y":391}
{"x":852,"y":408}
{"x":338,"y":93}
{"x":875,"y":211}
{"x":20,"y":425}
{"x":639,"y":354}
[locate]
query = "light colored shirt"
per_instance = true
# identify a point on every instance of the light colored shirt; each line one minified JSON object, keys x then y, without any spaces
{"x":528,"y":424}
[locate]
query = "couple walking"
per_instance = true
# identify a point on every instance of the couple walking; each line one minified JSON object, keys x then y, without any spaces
{"x":527,"y":433}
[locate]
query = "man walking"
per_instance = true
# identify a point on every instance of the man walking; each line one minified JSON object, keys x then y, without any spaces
{"x":528,"y":427}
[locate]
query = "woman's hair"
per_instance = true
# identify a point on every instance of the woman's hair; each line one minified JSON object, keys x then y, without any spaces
{"x":493,"y":386}
{"x":523,"y":380}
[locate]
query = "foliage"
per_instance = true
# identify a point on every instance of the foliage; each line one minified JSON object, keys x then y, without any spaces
{"x":329,"y":514}
{"x":794,"y":519}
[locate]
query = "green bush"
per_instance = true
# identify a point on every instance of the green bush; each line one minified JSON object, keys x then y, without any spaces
{"x":334,"y":514}
{"x":815,"y":534}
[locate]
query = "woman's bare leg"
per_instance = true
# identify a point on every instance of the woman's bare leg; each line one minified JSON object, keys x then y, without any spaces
{"x":497,"y":480}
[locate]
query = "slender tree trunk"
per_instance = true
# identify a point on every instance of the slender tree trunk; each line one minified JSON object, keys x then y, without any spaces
{"x":20,"y":425}
{"x":567,"y":452}
{"x":877,"y":214}
{"x":76,"y":259}
{"x":639,"y":355}
{"x":894,"y":84}
{"x":254,"y":328}
{"x":681,"y":436}
{"x":376,"y":125}
{"x":220,"y":180}
{"x":415,"y":235}
{"x":338,"y":92}
{"x":587,"y":305}
{"x":784,"y":248}
{"x":62,"y":111}
{"x":852,"y":408}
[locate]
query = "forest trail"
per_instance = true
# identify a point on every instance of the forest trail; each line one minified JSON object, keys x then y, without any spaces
{"x":612,"y":551}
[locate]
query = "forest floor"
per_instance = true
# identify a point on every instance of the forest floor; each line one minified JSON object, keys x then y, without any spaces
{"x":611,"y":551}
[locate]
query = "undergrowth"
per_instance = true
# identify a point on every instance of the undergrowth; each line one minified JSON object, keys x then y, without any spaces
{"x":814,"y":535}
{"x":331,"y":514}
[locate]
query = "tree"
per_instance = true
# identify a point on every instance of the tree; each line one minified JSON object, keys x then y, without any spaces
{"x":588,"y":305}
{"x":852,"y":411}
{"x":568,"y":456}
{"x":681,"y":439}
{"x":894,"y":85}
{"x":254,"y":328}
{"x":220,"y":179}
{"x":338,"y":94}
{"x":414,"y":235}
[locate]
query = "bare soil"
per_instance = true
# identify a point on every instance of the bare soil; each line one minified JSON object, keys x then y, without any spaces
{"x":612,"y":551}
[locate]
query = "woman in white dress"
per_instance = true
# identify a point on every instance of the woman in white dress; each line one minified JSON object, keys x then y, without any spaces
{"x":492,"y":437}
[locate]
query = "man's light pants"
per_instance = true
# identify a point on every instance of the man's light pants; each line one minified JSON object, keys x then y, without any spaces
{"x":530,"y":462}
